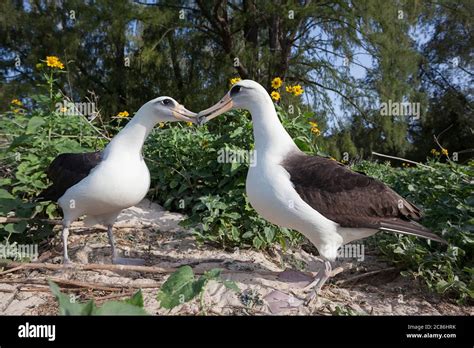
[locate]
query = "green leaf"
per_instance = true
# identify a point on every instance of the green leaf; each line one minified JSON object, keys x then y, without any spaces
{"x":66,"y":304}
{"x":257,"y":242}
{"x":136,"y":299}
{"x":178,"y":288}
{"x":230,"y":284}
{"x":269,"y":234}
{"x":119,"y":308}
{"x":5,"y":194}
{"x":34,"y":123}
{"x":19,"y":140}
{"x":18,"y":227}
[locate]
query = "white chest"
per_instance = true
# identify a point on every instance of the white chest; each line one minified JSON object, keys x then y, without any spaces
{"x":270,"y":194}
{"x":112,"y":185}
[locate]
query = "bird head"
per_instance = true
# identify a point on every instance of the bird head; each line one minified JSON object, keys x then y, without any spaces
{"x":166,"y":109}
{"x":242,"y":95}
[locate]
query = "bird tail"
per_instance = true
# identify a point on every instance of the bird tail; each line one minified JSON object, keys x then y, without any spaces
{"x":410,"y":228}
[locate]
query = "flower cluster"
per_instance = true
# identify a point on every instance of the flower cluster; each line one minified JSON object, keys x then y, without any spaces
{"x":296,"y":90}
{"x":314,"y":128}
{"x":54,"y":62}
{"x":277,"y":83}
{"x":437,"y":153}
{"x":234,"y":80}
{"x":16,"y":102}
{"x":16,"y":105}
{"x":123,"y":114}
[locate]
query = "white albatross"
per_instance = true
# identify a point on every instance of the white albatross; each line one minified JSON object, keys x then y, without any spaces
{"x":101,"y":184}
{"x":324,"y":200}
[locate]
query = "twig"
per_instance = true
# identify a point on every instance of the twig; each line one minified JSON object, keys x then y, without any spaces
{"x":11,"y":270}
{"x":364,"y":275}
{"x":86,"y":267}
{"x":439,"y":135}
{"x":115,"y":268}
{"x":65,"y":283}
{"x":10,"y":300}
{"x":76,"y":224}
{"x":402,"y":159}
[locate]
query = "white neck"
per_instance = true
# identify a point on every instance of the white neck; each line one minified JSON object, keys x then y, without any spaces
{"x":131,"y":138}
{"x":271,"y":138}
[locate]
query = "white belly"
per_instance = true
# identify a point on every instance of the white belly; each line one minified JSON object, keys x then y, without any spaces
{"x":272,"y":195}
{"x":110,"y":187}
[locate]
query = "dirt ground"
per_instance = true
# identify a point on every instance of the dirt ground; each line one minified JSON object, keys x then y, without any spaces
{"x":269,"y":283}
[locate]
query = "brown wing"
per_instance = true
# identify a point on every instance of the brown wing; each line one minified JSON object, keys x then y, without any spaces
{"x":352,"y":199}
{"x":67,"y":170}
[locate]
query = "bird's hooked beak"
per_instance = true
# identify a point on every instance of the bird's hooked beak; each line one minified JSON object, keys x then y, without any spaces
{"x":183,"y":114}
{"x":225,"y":104}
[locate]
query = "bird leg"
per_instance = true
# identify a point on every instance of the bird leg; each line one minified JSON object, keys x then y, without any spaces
{"x":64,"y":236}
{"x":115,"y":258}
{"x":318,"y":282}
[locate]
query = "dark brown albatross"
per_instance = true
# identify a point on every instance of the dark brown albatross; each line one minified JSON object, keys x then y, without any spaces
{"x":327,"y":202}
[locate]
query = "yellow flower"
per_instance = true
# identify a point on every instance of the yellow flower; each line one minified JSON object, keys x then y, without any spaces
{"x":16,"y":110}
{"x":234,"y":80}
{"x":315,"y":131}
{"x":189,"y":124}
{"x":275,"y":95}
{"x":289,"y":89}
{"x":16,"y":102}
{"x":433,"y":151}
{"x":161,"y":124}
{"x":444,"y":152}
{"x":313,"y":124}
{"x":63,"y":109}
{"x":54,"y":62}
{"x":276,"y":83}
{"x":123,"y":114}
{"x":297,"y":90}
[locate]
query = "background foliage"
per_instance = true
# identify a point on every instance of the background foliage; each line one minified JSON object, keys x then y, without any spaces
{"x":410,"y":59}
{"x":349,"y":55}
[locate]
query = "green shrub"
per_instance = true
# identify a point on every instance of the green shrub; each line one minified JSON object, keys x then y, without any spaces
{"x":446,"y":196}
{"x":31,"y":139}
{"x":187,"y":177}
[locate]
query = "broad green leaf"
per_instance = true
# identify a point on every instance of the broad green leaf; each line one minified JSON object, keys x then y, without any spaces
{"x":67,"y":304}
{"x":17,"y":227}
{"x":178,"y":288}
{"x":136,"y":299}
{"x":119,"y":308}
{"x":6,"y":194}
{"x":34,"y":123}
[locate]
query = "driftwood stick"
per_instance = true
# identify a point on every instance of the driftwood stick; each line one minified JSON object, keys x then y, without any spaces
{"x":76,"y":224}
{"x":14,"y":269}
{"x":402,"y":159}
{"x":365,"y":275}
{"x":65,"y":283}
{"x":115,"y":268}
{"x":86,"y":267}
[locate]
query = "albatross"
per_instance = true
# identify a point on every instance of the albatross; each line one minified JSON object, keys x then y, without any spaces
{"x":101,"y":184}
{"x":324,"y":200}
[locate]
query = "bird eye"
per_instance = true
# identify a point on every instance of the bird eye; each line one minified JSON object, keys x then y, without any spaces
{"x":235,"y":90}
{"x":167,"y":102}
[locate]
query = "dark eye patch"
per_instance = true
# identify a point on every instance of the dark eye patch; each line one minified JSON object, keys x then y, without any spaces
{"x":167,"y":102}
{"x":235,"y":90}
